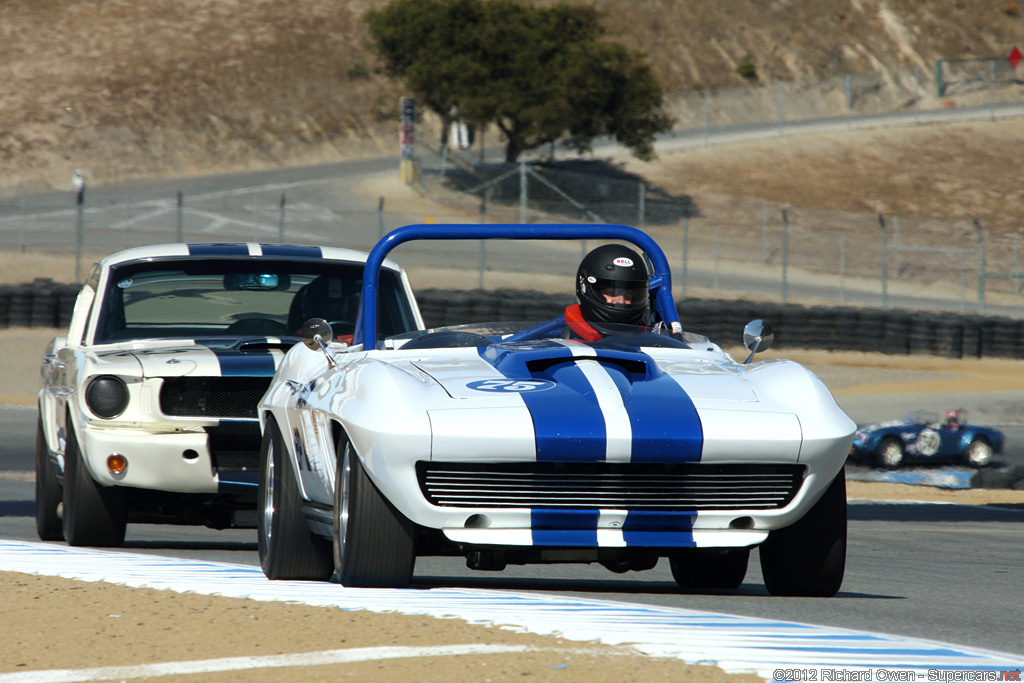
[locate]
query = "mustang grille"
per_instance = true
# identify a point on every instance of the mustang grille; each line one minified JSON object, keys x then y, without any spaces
{"x":214,"y":397}
{"x":627,"y":486}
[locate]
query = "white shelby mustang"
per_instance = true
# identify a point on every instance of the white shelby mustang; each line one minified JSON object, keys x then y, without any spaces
{"x":147,"y":409}
{"x":530,"y":446}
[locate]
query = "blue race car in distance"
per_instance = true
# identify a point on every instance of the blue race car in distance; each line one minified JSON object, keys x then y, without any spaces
{"x":922,"y":436}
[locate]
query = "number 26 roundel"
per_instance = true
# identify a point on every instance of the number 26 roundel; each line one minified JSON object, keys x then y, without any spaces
{"x":519,"y":386}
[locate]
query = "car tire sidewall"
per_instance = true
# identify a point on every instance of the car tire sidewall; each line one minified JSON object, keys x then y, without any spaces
{"x":288,"y":548}
{"x":48,"y":492}
{"x":94,"y":515}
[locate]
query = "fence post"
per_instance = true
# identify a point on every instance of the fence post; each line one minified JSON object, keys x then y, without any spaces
{"x":896,"y":247}
{"x":848,"y":91}
{"x":642,"y":205}
{"x":22,"y":228}
{"x":917,"y":95}
{"x":1016,"y":263}
{"x":885,"y":263}
{"x":706,"y":117}
{"x":280,"y":221}
{"x":523,"y":197}
{"x":79,"y":231}
{"x":963,"y":280}
{"x":686,"y":250}
{"x":981,"y":266}
{"x":717,"y":258}
{"x":483,"y":243}
{"x":782,"y":110}
{"x":992,"y":88}
{"x":380,"y":217}
{"x":842,"y":269}
{"x":785,"y":255}
{"x":178,"y":228}
{"x":764,"y":231}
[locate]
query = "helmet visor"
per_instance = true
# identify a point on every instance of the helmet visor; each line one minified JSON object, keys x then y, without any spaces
{"x":623,"y":292}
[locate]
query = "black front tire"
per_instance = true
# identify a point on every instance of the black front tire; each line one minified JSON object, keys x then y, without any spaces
{"x":94,"y":515}
{"x":48,"y":493}
{"x":710,"y":568}
{"x":808,"y":558}
{"x":374,"y":544}
{"x":288,"y":548}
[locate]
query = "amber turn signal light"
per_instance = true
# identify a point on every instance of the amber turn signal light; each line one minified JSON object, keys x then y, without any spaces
{"x":117,"y":463}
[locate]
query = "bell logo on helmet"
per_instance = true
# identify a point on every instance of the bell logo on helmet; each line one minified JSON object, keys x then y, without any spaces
{"x":624,"y":262}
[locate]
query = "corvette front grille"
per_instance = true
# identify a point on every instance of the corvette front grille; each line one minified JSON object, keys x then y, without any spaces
{"x":212,"y":397}
{"x":625,"y":486}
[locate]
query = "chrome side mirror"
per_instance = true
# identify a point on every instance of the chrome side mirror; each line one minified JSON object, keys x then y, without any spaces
{"x":315,"y":334}
{"x":758,"y":336}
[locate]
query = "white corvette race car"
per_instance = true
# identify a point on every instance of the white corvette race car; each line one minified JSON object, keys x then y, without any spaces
{"x":147,"y":409}
{"x":529,"y":447}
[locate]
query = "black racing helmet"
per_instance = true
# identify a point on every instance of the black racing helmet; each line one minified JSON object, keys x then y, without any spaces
{"x":612,"y":287}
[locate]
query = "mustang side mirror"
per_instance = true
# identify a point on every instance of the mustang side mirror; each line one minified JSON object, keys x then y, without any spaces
{"x":315,"y":334}
{"x":758,"y":336}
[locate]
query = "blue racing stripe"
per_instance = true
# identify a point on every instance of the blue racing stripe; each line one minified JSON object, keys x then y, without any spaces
{"x":291,"y":251}
{"x":662,"y":417}
{"x":556,"y":527}
{"x":218,"y":249}
{"x":248,"y":364}
{"x":567,"y":420}
{"x":666,"y":529}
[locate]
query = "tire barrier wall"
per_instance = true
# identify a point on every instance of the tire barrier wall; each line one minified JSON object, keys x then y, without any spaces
{"x":45,"y":303}
{"x":833,"y":328}
{"x":42,"y":303}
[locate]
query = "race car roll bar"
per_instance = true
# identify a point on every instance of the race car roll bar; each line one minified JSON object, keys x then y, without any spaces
{"x":660,"y":281}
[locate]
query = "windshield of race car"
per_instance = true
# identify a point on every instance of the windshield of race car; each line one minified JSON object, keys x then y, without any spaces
{"x":190,"y":298}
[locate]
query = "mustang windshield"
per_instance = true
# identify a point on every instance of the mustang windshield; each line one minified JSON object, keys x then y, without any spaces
{"x":269,"y":297}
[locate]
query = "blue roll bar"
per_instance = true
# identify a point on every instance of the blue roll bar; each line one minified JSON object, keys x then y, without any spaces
{"x":366,"y":322}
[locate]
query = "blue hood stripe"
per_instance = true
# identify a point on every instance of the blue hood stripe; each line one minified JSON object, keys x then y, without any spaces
{"x":567,"y":418}
{"x":291,"y":251}
{"x":235,"y":363}
{"x":246,"y":365}
{"x":218,"y":249}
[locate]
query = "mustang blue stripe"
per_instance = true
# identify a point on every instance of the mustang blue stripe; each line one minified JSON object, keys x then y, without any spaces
{"x":248,"y":364}
{"x":564,"y":527}
{"x":291,"y":251}
{"x":218,"y":250}
{"x":567,"y":418}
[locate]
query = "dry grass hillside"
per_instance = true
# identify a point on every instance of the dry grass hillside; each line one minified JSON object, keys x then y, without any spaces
{"x":130,"y":90}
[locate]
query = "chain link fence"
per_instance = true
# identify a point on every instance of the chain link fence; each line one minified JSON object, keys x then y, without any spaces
{"x":741,"y":248}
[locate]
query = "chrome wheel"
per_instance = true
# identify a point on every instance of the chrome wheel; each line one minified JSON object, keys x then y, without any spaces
{"x":890,"y":453}
{"x":342,"y":505}
{"x":268,"y":495}
{"x":979,"y":453}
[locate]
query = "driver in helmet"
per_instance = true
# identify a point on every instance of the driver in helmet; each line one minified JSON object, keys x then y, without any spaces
{"x":612,"y":289}
{"x":952,"y":420}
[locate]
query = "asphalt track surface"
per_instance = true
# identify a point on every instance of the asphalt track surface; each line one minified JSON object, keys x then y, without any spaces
{"x":941,"y":572}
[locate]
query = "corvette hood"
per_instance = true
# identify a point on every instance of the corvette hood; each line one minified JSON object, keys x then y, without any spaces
{"x":591,"y":404}
{"x":215,"y":357}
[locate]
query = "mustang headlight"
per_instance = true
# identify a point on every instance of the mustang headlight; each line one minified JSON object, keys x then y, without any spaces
{"x":107,"y":396}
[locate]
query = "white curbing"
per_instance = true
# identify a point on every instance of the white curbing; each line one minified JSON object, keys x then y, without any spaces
{"x":734,"y":643}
